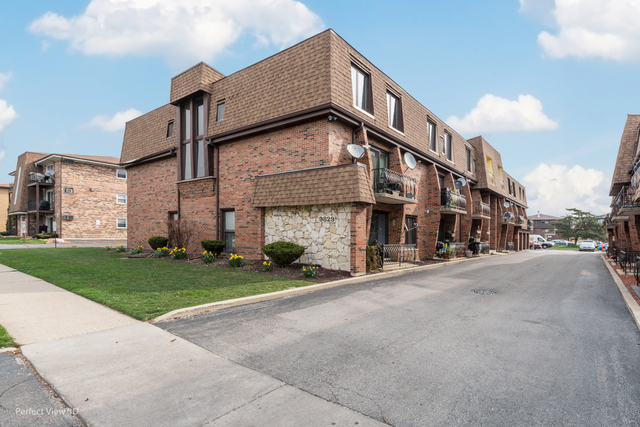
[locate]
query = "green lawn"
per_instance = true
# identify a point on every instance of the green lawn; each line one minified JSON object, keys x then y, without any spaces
{"x":143,"y":288}
{"x":18,"y":241}
{"x":5,"y":338}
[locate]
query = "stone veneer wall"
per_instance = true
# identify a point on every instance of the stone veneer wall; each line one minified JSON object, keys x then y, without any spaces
{"x":325,"y":230}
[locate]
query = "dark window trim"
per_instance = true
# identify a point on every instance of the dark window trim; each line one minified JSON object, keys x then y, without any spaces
{"x":449,"y":149}
{"x":434,"y":133}
{"x":224,"y":111}
{"x":223,"y":229}
{"x":468,"y":159}
{"x":411,"y":236}
{"x":180,"y":140}
{"x":400,"y":120}
{"x":170,"y":127}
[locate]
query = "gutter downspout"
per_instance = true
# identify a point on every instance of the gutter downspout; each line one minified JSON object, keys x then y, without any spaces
{"x":217,"y":154}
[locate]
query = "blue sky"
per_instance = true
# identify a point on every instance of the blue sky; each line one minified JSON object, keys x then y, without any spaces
{"x":547,"y":82}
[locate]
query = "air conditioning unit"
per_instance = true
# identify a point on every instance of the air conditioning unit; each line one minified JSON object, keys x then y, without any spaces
{"x":68,"y":190}
{"x":67,"y":217}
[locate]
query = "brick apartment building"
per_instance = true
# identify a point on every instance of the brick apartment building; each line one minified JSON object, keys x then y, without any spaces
{"x":542,"y":225}
{"x":4,"y":205}
{"x":261,"y":155}
{"x":78,"y":197}
{"x":623,"y":222}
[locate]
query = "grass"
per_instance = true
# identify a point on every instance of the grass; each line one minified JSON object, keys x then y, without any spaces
{"x":18,"y":241}
{"x":5,"y":338}
{"x":143,"y":288}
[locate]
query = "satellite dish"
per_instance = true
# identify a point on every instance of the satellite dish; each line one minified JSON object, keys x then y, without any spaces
{"x":410,"y":160}
{"x":355,"y":150}
{"x":506,"y":204}
{"x":460,"y":182}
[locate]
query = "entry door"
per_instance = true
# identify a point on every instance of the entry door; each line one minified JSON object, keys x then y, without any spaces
{"x":379,"y":229}
{"x":50,"y":224}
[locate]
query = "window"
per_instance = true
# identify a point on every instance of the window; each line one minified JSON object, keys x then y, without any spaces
{"x":546,"y":230}
{"x":68,"y":162}
{"x":193,"y":150}
{"x":500,"y":176}
{"x":220,"y":112}
{"x":411,"y":230}
{"x":492,"y":178}
{"x":509,"y":183}
{"x":441,"y":181}
{"x":121,"y":199}
{"x":68,"y":190}
{"x":169,"y":130}
{"x":121,"y":173}
{"x":468,"y":159}
{"x":431,"y":134}
{"x":229,"y":229}
{"x":361,"y":88}
{"x":172,"y":215}
{"x":474,"y":165}
{"x":121,"y":223}
{"x":49,"y":169}
{"x":447,"y":146}
{"x":394,"y":108}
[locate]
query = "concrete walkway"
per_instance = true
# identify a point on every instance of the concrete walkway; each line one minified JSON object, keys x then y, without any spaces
{"x":80,"y":243}
{"x":114,"y":370}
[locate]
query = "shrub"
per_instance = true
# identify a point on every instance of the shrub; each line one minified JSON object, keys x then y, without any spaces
{"x":137,"y":250}
{"x":161,"y":252}
{"x":4,"y":233}
{"x":373,"y":258}
{"x":178,"y":253}
{"x":236,"y":260}
{"x":283,"y":253}
{"x":267,"y":266}
{"x":121,"y":248}
{"x":309,"y":271}
{"x":158,"y":242}
{"x":39,"y":236}
{"x":208,"y":257}
{"x":214,"y":246}
{"x":108,"y":248}
{"x":180,"y":232}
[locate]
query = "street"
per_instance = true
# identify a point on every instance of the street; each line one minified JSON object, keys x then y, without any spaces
{"x":545,"y":340}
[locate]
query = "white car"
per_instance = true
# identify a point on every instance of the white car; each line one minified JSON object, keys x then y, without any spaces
{"x":587,"y":245}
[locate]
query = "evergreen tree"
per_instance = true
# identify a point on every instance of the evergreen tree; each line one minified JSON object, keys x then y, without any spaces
{"x":579,"y":225}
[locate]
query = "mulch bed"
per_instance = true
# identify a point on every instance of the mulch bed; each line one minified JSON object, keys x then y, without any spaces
{"x":628,"y":279}
{"x":293,"y":271}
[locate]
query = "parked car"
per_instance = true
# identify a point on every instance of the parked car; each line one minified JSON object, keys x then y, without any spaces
{"x":560,"y":242}
{"x":542,"y":243}
{"x":587,"y":245}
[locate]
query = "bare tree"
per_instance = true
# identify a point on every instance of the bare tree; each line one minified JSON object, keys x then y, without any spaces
{"x":180,"y":232}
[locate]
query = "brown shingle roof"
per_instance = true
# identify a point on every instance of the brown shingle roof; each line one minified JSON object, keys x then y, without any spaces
{"x":319,"y":186}
{"x":626,"y":154}
{"x":147,"y":134}
{"x":197,"y":78}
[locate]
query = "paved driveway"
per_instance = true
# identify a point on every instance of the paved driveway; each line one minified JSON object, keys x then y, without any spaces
{"x":554,"y":345}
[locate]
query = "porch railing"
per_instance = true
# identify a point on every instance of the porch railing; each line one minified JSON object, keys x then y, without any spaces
{"x":388,"y":181}
{"x":44,"y":205}
{"x":624,"y":199}
{"x":508,"y":217}
{"x":482,"y":208}
{"x":451,"y":200}
{"x":399,"y":253}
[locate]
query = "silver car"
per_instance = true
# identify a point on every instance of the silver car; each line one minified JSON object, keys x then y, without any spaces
{"x":587,"y":245}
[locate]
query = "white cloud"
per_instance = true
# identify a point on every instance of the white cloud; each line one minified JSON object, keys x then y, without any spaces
{"x":7,"y":114}
{"x":115,"y":122}
{"x":551,"y":189}
{"x":3,"y":155}
{"x":494,"y":114}
{"x":540,"y":10}
{"x":594,"y":28}
{"x":180,"y":30}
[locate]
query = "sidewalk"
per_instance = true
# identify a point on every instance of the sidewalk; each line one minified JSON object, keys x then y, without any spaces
{"x":117,"y":371}
{"x":81,"y":243}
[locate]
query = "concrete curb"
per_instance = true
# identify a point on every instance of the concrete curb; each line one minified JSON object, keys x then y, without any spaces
{"x":214,"y":306}
{"x":629,"y":301}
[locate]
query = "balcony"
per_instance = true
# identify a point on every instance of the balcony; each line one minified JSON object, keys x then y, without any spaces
{"x":452,"y":202}
{"x":492,"y":178}
{"x":393,"y":188}
{"x":608,"y":224}
{"x":508,"y":218}
{"x":530,"y":225}
{"x":481,"y":210}
{"x":520,"y":221}
{"x":626,"y":203}
{"x":45,"y":206}
{"x":39,"y":179}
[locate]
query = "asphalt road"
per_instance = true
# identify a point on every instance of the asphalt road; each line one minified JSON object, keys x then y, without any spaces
{"x":554,"y":346}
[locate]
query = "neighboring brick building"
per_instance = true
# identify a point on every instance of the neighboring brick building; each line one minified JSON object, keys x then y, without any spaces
{"x":623,"y":223}
{"x":5,"y":189}
{"x":79,"y":197}
{"x":542,"y":225}
{"x":261,"y":155}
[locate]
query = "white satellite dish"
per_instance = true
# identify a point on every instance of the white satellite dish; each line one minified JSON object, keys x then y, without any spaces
{"x":410,"y":160}
{"x":506,"y":204}
{"x":460,"y":182}
{"x":355,"y":150}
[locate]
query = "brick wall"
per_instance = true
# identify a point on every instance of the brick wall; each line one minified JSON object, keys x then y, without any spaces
{"x":87,"y":206}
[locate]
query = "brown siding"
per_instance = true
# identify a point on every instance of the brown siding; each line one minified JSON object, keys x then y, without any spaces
{"x":626,"y":154}
{"x":147,"y":134}
{"x":200,"y":77}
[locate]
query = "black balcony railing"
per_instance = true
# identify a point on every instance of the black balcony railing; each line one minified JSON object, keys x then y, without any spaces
{"x":40,"y":177}
{"x":44,"y":205}
{"x":625,"y":199}
{"x":482,"y":208}
{"x":399,"y":253}
{"x":452,"y":200}
{"x":388,"y":181}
